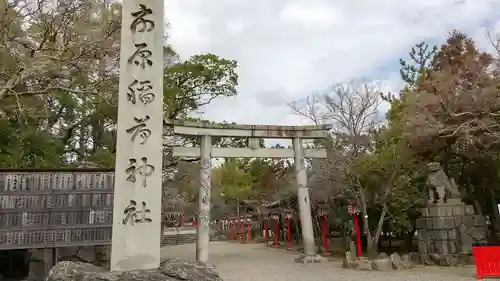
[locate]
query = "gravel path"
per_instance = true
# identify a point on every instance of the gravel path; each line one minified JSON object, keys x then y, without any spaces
{"x":254,"y":262}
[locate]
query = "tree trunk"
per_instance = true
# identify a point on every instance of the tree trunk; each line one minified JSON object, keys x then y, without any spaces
{"x":380,"y":225}
{"x":370,"y":247}
{"x":409,"y":240}
{"x":81,"y":143}
{"x":495,"y":220}
{"x":13,"y":80}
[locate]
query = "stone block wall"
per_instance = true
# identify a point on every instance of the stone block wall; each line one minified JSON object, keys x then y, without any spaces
{"x":446,"y":229}
{"x":41,"y":259}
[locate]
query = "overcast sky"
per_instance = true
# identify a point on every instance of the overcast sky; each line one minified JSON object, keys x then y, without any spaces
{"x":287,"y":49}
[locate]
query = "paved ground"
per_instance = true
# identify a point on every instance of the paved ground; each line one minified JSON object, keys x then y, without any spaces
{"x":254,"y":262}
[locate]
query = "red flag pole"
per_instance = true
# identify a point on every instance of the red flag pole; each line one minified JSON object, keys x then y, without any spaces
{"x":325,"y":233}
{"x":358,"y":235}
{"x":289,"y":234}
{"x":267,"y":232}
{"x":242,"y":231}
{"x":248,"y":230}
{"x":276,"y":233}
{"x":236,"y":229}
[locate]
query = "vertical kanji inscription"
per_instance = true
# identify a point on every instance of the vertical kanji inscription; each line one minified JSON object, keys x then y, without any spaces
{"x":134,"y":169}
{"x":138,"y":178}
{"x":142,"y":90}
{"x":136,"y":214}
{"x":139,"y":129}
{"x":142,"y":56}
{"x":140,"y":23}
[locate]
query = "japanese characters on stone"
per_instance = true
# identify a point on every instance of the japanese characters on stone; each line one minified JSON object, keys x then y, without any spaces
{"x":136,"y":214}
{"x":142,"y":56}
{"x":140,"y":24}
{"x":142,"y":169}
{"x":140,"y":89}
{"x":140,"y":129}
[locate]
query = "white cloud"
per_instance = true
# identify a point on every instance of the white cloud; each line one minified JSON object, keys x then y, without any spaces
{"x":289,"y":48}
{"x":308,"y":14}
{"x":187,"y":32}
{"x":235,"y":26}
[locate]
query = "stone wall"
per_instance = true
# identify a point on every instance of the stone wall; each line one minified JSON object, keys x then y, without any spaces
{"x":41,"y":259}
{"x":449,"y":229}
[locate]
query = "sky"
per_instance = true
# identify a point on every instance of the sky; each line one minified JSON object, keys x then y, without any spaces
{"x":288,"y":49}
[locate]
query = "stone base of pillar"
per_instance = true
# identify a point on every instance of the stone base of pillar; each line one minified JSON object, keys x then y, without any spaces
{"x":309,"y":259}
{"x":449,"y":229}
{"x":170,"y":270}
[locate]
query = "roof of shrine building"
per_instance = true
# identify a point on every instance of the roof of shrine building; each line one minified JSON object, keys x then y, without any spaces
{"x":271,"y":131}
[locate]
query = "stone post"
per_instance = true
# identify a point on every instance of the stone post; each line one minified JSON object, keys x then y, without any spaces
{"x":138,"y":192}
{"x":203,"y":230}
{"x":303,"y":198}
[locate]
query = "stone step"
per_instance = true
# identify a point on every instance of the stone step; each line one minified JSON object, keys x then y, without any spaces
{"x":180,"y":239}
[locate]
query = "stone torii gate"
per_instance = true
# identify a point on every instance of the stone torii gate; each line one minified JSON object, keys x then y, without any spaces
{"x":253,"y":133}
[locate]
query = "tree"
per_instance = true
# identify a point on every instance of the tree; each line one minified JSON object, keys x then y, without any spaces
{"x":273,"y":179}
{"x":386,"y":184}
{"x":455,"y":103}
{"x":352,"y":108}
{"x":231,"y":182}
{"x":365,"y":161}
{"x":57,"y":66}
{"x":452,"y":117}
{"x":59,"y":79}
{"x":194,"y":83}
